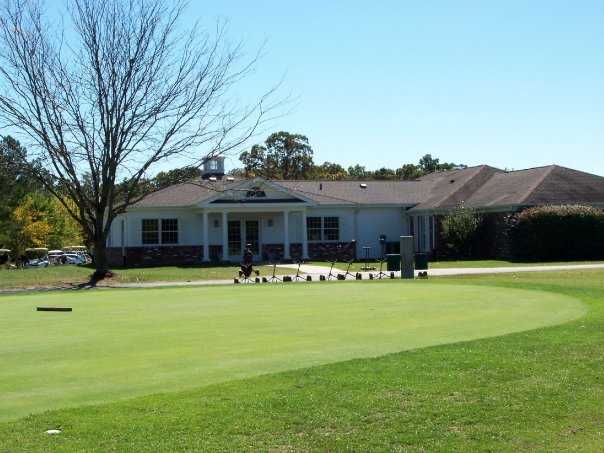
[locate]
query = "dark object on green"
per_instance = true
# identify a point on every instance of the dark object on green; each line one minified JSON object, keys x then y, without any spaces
{"x":423,"y":274}
{"x":264,"y":280}
{"x":391,"y":275}
{"x":341,"y":277}
{"x":287,"y":278}
{"x":322,"y":278}
{"x":257,"y":280}
{"x":309,"y":278}
{"x":370,"y":276}
{"x":54,"y":309}
{"x":236,"y":280}
{"x":393,"y":262}
{"x":359,"y":276}
{"x":421,"y":261}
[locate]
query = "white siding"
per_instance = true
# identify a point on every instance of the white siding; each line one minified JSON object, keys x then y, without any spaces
{"x":374,"y":222}
{"x":364,"y":224}
{"x":189,"y":226}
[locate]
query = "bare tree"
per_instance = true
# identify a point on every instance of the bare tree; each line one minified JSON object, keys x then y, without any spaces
{"x":100,"y":103}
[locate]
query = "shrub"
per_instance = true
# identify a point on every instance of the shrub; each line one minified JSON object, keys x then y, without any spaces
{"x":458,"y":230}
{"x":558,"y":233}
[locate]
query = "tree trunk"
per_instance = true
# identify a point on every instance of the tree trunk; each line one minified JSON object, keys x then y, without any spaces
{"x":100,"y":258}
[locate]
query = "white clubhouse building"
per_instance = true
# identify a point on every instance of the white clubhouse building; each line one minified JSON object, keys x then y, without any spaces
{"x":212,"y":219}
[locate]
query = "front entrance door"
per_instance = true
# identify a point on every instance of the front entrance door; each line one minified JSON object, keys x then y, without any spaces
{"x":252,"y":235}
{"x":234,"y":236}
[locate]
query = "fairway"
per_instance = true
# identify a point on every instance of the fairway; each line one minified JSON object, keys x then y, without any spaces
{"x":118,"y":344}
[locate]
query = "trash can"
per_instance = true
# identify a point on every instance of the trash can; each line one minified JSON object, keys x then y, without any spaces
{"x":421,"y":261}
{"x":393,"y":262}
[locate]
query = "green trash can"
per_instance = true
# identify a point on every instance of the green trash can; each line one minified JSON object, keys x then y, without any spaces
{"x":421,"y":261}
{"x":393,"y":262}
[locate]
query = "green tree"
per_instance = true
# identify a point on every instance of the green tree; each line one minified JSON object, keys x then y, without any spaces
{"x":64,"y":230}
{"x":330,"y":170}
{"x":288,"y":156}
{"x":459,"y":228}
{"x":358,"y":172}
{"x":283,"y":156}
{"x":384,"y":174}
{"x":176,"y":176}
{"x":16,"y":183}
{"x":409,"y":172}
{"x":254,"y":162}
{"x":30,"y":226}
{"x":41,"y":220}
{"x":429,"y":164}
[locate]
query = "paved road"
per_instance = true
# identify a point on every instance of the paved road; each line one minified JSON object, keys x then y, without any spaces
{"x":316,"y":271}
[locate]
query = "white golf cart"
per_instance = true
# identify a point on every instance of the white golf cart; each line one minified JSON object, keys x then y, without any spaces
{"x":36,"y":257}
{"x":77,"y":254}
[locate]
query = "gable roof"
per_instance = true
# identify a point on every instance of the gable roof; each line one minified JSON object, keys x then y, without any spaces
{"x":449,"y":188}
{"x":538,"y":186}
{"x":185,"y":194}
{"x":479,"y":187}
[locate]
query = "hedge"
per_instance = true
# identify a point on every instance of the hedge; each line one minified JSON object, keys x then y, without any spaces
{"x":570,"y":232}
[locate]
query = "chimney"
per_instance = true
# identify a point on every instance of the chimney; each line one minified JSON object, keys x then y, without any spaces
{"x":213,"y":168}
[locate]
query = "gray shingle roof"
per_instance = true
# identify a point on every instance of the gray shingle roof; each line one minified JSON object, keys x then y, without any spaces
{"x":479,"y":187}
{"x":185,"y":194}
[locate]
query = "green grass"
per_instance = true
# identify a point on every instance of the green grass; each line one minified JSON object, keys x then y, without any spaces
{"x":537,"y":390}
{"x":184,"y":337}
{"x":356,"y":267}
{"x":68,"y":275}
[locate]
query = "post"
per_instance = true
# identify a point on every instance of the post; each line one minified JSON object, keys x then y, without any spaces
{"x":286,"y":253}
{"x":225,"y":236}
{"x":304,"y":237}
{"x":407,"y":258}
{"x":206,"y":245}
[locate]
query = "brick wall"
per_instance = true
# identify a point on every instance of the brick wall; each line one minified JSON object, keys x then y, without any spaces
{"x":156,"y":256}
{"x":188,"y":255}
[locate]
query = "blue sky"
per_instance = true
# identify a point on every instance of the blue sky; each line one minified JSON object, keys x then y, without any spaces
{"x":513,"y":84}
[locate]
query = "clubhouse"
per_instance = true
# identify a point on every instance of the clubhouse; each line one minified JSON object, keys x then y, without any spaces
{"x":212,"y":219}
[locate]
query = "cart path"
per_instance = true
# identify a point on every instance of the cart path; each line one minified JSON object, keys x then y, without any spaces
{"x":316,"y":271}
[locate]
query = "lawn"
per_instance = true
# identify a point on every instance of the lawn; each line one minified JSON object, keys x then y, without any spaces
{"x":472,"y":376}
{"x":184,"y":337}
{"x":68,"y":275}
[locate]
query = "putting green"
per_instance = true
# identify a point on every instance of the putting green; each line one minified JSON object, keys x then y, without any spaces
{"x":122,"y":343}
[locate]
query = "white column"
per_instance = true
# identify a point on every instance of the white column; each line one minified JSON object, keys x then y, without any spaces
{"x":206,"y":245}
{"x":286,"y":254}
{"x":304,"y":237}
{"x":225,"y":236}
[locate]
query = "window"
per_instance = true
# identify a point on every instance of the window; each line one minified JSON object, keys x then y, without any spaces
{"x":323,"y":228}
{"x":234,"y":237}
{"x":255,"y":192}
{"x":150,"y":230}
{"x":331,"y":228}
{"x":152,"y":233}
{"x":169,"y":231}
{"x":252,"y":235}
{"x":313,"y":228}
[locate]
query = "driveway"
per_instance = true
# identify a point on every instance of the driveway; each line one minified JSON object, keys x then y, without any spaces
{"x":316,"y":271}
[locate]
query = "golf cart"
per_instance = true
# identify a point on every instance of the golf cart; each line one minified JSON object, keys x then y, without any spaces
{"x":56,"y":257}
{"x":77,"y":254}
{"x":36,"y":257}
{"x":4,"y":256}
